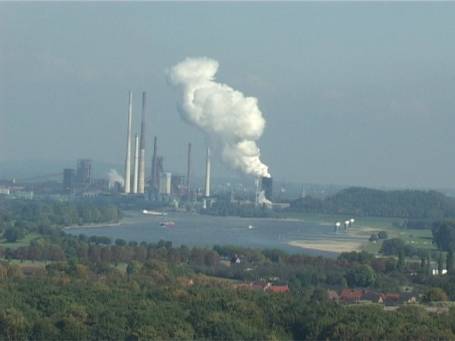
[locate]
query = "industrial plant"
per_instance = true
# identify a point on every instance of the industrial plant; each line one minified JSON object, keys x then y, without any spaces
{"x":158,"y":187}
{"x":162,"y":185}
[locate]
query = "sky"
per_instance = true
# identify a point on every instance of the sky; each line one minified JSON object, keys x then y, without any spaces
{"x":352,"y":93}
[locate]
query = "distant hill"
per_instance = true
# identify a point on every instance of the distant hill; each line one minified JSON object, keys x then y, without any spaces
{"x":359,"y":201}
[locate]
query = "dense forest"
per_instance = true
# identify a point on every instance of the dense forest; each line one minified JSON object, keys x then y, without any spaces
{"x":19,"y":217}
{"x":64,"y":287}
{"x":357,"y":201}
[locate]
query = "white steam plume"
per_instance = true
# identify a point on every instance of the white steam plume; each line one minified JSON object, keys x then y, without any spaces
{"x":114,"y":177}
{"x":232,"y":121}
{"x":262,"y":200}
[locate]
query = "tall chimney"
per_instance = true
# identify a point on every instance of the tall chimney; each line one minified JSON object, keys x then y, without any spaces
{"x":136,"y":163}
{"x":128,"y":146}
{"x":188,"y":170}
{"x":154,"y":156}
{"x":141,"y":183}
{"x":207,"y":175}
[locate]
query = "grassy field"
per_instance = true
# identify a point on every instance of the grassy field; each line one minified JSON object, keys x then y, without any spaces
{"x":23,"y":242}
{"x":365,"y":226}
{"x":27,"y":263}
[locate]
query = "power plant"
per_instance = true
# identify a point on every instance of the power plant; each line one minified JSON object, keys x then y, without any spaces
{"x":178,"y":190}
{"x":232,"y":127}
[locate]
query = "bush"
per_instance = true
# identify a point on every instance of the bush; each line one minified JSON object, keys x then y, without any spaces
{"x":374,"y":237}
{"x":435,"y":295}
{"x":392,"y":246}
{"x":383,"y":235}
{"x":13,"y":234}
{"x":361,"y":276}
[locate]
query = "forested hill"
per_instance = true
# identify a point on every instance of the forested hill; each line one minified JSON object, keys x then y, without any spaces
{"x":360,"y":201}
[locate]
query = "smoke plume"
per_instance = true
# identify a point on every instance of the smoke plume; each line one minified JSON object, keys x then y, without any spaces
{"x":114,"y":177}
{"x":262,"y":200}
{"x":232,"y":121}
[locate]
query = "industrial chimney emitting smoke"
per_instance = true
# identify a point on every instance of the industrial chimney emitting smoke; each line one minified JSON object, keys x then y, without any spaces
{"x":141,"y":182}
{"x":207,"y":175}
{"x":128,"y":146}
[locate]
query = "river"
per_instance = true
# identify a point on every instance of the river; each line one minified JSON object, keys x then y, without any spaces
{"x":203,"y":230}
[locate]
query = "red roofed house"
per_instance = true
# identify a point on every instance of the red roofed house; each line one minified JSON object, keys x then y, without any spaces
{"x":276,"y":288}
{"x":351,"y":296}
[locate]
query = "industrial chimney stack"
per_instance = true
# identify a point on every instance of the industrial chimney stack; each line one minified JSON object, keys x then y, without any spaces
{"x":207,"y":175}
{"x":188,"y":170}
{"x":141,"y":182}
{"x":154,"y":166}
{"x":136,"y":163}
{"x":128,"y":146}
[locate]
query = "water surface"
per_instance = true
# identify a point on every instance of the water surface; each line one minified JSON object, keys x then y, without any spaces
{"x":202,"y":230}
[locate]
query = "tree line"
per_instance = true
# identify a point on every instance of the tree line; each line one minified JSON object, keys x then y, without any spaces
{"x":19,"y":217}
{"x":420,"y":207}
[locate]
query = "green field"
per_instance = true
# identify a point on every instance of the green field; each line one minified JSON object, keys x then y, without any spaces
{"x":365,"y":226}
{"x":22,"y":242}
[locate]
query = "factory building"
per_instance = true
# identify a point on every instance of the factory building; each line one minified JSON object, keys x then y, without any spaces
{"x":178,"y":186}
{"x":69,"y":180}
{"x":84,"y":171}
{"x":166,"y":183}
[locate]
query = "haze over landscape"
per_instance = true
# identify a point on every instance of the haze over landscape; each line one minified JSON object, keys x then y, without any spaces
{"x":358,"y":94}
{"x":227,"y":171}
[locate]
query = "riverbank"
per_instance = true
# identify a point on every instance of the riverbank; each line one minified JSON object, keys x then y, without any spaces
{"x":92,"y":226}
{"x":336,"y":246}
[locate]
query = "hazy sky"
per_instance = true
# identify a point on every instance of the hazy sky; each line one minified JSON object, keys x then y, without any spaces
{"x":353,"y":93}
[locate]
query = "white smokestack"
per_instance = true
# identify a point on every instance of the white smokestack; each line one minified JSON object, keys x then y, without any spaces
{"x":207,"y":174}
{"x":141,"y":184}
{"x":232,"y":121}
{"x":136,"y":163}
{"x":128,"y":146}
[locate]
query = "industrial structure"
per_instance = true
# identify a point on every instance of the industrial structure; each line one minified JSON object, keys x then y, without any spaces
{"x":135,"y":183}
{"x":84,"y":171}
{"x":128,"y":146}
{"x":188,"y":172}
{"x":136,"y":164}
{"x":207,"y":174}
{"x":141,"y":182}
{"x":69,"y":180}
{"x":153,"y":177}
{"x":267,"y":187}
{"x":166,"y":183}
{"x":178,"y":190}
